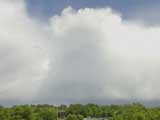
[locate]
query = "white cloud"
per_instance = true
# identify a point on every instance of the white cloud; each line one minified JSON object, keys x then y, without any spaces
{"x":99,"y":57}
{"x":22,"y":55}
{"x":89,"y":55}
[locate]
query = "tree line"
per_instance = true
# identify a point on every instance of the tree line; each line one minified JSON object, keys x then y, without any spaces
{"x":133,"y":111}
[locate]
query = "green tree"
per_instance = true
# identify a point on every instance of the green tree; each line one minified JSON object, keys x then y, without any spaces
{"x":74,"y":117}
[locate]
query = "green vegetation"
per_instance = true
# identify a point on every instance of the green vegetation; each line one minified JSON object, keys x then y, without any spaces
{"x":74,"y":117}
{"x":133,"y":111}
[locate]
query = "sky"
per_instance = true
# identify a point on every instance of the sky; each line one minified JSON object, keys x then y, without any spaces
{"x":141,"y":10}
{"x":83,"y":51}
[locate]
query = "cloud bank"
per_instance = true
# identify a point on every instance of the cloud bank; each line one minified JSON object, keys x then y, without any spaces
{"x":85,"y":55}
{"x":23,"y":62}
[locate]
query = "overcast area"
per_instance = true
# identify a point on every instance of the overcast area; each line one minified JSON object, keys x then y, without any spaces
{"x":79,"y":56}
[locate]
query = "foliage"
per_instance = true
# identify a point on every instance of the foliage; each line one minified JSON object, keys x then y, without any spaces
{"x":133,"y":111}
{"x":26,"y":112}
{"x":74,"y":117}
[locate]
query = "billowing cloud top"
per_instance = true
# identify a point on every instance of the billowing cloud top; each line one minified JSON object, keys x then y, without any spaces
{"x":86,"y":55}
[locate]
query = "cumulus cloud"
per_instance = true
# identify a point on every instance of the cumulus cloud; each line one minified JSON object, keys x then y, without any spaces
{"x":85,"y":55}
{"x":99,"y":57}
